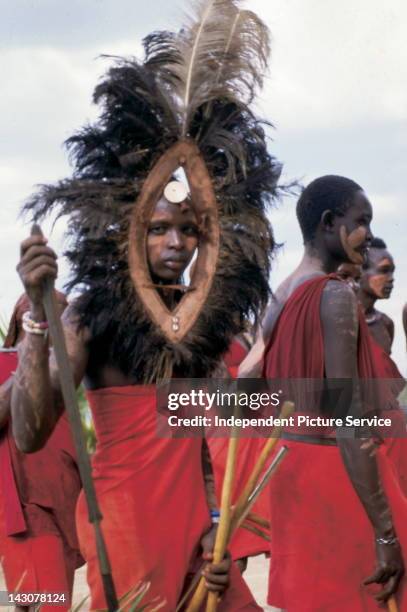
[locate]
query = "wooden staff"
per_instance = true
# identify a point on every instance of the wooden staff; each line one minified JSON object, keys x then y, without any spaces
{"x":287,"y":409}
{"x":71,"y":406}
{"x":256,"y":530}
{"x":239,"y":518}
{"x":222,"y":534}
{"x":256,"y":518}
{"x":224,"y":523}
{"x":392,"y":605}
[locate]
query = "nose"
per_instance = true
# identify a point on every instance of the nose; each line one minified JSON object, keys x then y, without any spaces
{"x":175,"y":240}
{"x":369,"y":235}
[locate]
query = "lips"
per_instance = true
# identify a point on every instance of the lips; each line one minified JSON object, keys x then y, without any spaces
{"x":175,"y":264}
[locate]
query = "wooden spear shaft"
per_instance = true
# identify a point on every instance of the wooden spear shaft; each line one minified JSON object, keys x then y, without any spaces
{"x":256,"y":518}
{"x":72,"y":409}
{"x":222,"y":535}
{"x":392,"y":605}
{"x":256,"y":530}
{"x":224,"y":525}
{"x":239,"y":518}
{"x":287,"y":409}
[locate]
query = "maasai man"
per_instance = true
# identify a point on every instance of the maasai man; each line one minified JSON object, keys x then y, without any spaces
{"x":122,"y":201}
{"x":38,"y":495}
{"x":334,"y":503}
{"x":377,"y":284}
{"x":351,"y":274}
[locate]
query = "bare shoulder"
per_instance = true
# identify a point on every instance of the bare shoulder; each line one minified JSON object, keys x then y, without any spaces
{"x":339,"y":306}
{"x":274,"y":309}
{"x":72,"y":326}
{"x":387,"y":321}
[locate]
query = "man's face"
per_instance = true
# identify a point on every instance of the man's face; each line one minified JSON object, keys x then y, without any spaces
{"x":378,"y":276}
{"x":351,"y":231}
{"x":172,"y":238}
{"x":351,"y":274}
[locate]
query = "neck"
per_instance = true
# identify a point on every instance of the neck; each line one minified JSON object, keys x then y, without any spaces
{"x":314,"y":260}
{"x":367,"y":301}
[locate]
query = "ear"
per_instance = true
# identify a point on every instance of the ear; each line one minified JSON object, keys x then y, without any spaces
{"x":327,"y":221}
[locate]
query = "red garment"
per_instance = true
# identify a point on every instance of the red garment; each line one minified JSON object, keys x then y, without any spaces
{"x":38,"y":494}
{"x":152,"y":497}
{"x":244,"y":543}
{"x":322,"y":545}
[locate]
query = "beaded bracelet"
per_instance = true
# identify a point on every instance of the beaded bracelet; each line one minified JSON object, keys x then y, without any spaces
{"x":215,"y":516}
{"x":33,"y":327}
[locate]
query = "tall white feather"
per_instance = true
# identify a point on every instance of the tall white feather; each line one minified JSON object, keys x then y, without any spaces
{"x":221,"y":53}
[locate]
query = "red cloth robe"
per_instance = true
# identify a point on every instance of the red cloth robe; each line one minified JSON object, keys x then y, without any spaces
{"x":244,"y":543}
{"x":38,"y":495}
{"x":152,"y":496}
{"x":322,"y":543}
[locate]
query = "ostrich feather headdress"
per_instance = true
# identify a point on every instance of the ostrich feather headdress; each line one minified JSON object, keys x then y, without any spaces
{"x":188,"y":103}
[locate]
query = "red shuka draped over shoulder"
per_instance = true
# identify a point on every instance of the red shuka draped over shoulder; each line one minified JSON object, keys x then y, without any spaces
{"x":322,"y":544}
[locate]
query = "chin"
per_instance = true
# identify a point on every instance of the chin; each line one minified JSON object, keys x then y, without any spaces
{"x":168,"y":278}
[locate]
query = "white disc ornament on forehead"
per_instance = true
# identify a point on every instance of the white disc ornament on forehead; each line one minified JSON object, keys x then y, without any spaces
{"x":175,"y":192}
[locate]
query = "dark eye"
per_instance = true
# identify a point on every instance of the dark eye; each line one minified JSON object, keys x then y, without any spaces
{"x":364,"y":221}
{"x":157,"y":230}
{"x":190,"y":230}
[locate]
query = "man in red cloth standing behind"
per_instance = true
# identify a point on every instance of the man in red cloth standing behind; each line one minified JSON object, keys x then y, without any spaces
{"x":335,"y":504}
{"x":38,"y":494}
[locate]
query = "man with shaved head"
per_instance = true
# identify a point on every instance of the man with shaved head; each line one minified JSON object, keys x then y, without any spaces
{"x":377,"y":284}
{"x":331,"y":509}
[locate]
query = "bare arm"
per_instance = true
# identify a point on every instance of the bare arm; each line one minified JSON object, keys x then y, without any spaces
{"x":36,"y":401}
{"x":5,"y":398}
{"x":340,"y":330}
{"x":390,"y":328}
{"x":252,"y":364}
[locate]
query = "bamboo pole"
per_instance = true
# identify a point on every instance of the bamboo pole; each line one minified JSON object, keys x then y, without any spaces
{"x":223,"y":532}
{"x":251,"y":485}
{"x":287,"y":409}
{"x":239,"y":518}
{"x":256,"y":530}
{"x":256,"y":518}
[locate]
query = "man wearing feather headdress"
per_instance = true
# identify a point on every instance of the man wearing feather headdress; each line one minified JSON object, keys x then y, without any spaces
{"x":134,"y":231}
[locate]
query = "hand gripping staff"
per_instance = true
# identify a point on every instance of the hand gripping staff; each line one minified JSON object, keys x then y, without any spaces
{"x":72,"y":409}
{"x":232,"y":517}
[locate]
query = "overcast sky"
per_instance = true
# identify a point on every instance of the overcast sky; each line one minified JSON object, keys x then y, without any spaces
{"x":336,"y":94}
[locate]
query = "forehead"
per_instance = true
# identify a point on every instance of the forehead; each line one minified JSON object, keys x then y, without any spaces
{"x":380,"y":256}
{"x":173,"y":212}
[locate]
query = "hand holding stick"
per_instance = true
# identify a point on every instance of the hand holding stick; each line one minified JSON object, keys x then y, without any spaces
{"x":251,"y":491}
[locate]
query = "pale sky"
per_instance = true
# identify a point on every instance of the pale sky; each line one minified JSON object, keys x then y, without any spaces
{"x":336,"y":93}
